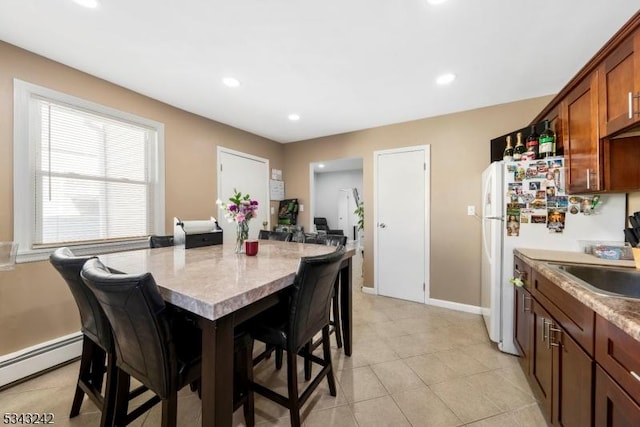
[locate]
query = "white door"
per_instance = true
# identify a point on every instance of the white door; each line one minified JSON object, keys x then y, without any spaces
{"x":344,"y":222}
{"x":401,"y":236}
{"x":249,"y":175}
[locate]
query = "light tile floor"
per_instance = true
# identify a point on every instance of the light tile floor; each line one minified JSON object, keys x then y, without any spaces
{"x":412,"y":365}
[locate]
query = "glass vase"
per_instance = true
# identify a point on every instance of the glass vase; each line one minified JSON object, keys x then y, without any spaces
{"x":242,"y":234}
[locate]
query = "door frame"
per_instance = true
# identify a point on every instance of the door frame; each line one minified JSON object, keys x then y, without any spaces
{"x":427,"y":214}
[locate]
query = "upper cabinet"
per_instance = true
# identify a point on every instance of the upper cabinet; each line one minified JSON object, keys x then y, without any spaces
{"x":619,"y":87}
{"x":598,"y":124}
{"x":579,"y":118}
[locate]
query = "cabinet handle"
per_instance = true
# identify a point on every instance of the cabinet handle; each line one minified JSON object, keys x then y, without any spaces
{"x":545,"y":331}
{"x":522,"y":275}
{"x":588,"y":179}
{"x":634,"y":375}
{"x":525,"y":298}
{"x":630,"y":105}
{"x":554,"y":343}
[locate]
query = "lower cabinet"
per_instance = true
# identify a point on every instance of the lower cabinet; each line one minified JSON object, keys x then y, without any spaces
{"x":523,"y":324}
{"x":614,"y":407}
{"x":573,"y":381}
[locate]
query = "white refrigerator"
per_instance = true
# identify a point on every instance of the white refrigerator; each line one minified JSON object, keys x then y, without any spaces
{"x":524,"y":205}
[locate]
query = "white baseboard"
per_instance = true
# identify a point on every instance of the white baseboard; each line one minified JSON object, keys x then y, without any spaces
{"x":29,"y":361}
{"x":455,"y":306}
{"x":369,"y":290}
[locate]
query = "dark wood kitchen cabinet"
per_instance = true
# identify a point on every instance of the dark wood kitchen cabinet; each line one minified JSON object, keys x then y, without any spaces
{"x":614,"y":407}
{"x":619,"y":86}
{"x":523,"y":313}
{"x":559,"y":369}
{"x":579,"y":118}
{"x":599,"y":121}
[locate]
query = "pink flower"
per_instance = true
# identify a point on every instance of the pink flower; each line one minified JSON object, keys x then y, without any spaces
{"x":240,"y":217}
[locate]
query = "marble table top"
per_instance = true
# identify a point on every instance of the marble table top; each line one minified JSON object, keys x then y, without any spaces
{"x":213,"y":281}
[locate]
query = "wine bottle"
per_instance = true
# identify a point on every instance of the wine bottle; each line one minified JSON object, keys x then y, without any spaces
{"x":519,"y":150}
{"x":547,"y":141}
{"x":507,"y":156}
{"x":532,"y":143}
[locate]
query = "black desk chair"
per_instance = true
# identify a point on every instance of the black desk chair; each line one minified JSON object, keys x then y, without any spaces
{"x":293,"y":324}
{"x":323,"y":226}
{"x":282,"y":236}
{"x":97,"y":340}
{"x":155,"y":343}
{"x":160,"y":241}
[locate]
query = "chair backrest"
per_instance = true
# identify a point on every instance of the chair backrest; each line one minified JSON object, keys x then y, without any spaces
{"x":320,"y":223}
{"x":95,"y":324}
{"x":335,"y":240}
{"x":160,"y":241}
{"x":311,"y":297}
{"x":137,"y":313}
{"x":282,"y":236}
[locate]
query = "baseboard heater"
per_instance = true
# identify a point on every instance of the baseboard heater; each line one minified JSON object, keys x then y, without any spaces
{"x":31,"y":360}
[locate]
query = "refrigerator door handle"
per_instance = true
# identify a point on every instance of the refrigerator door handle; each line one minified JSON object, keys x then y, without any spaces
{"x":494,"y":217}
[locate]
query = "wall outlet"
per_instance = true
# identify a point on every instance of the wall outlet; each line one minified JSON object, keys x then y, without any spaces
{"x":273,"y":210}
{"x":301,"y":208}
{"x":471,"y":210}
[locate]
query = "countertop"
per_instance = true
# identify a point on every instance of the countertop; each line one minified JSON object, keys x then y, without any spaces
{"x":622,"y":312}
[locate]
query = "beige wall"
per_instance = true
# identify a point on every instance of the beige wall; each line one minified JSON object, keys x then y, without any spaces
{"x":459,"y":153}
{"x":35,"y":305}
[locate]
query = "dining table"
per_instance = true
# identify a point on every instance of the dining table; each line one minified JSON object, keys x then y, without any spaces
{"x":222,"y":289}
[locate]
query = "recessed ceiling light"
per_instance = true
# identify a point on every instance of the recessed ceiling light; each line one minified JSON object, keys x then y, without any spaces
{"x":321,"y":165}
{"x":92,"y":4}
{"x":294,"y":117}
{"x":445,"y":79}
{"x":231,"y":82}
{"x":436,"y":1}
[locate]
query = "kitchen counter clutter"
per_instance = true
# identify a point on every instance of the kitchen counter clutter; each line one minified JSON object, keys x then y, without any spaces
{"x":622,"y":312}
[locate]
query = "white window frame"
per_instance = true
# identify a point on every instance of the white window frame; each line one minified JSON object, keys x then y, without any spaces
{"x":24,"y":146}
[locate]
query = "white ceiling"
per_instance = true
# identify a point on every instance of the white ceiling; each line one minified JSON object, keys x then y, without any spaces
{"x":342,"y":65}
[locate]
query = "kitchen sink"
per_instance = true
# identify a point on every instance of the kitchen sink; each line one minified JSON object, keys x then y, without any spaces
{"x":610,"y":281}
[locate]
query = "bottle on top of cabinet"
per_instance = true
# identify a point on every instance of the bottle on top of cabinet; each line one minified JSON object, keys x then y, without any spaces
{"x":519,"y":150}
{"x":547,"y":141}
{"x":507,"y":156}
{"x":532,"y":144}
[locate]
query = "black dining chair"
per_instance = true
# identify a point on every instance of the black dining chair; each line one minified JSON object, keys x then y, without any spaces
{"x":160,"y":241}
{"x":282,"y":236}
{"x":293,"y":323}
{"x":155,"y":343}
{"x":97,"y":340}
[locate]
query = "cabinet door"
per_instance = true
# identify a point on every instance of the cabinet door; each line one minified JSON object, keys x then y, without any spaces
{"x":573,"y":381}
{"x":524,"y":324}
{"x":579,"y":116}
{"x":614,"y":408}
{"x":619,"y":82}
{"x":541,"y":368}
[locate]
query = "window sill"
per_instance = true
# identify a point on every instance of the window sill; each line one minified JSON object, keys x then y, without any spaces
{"x":34,"y":255}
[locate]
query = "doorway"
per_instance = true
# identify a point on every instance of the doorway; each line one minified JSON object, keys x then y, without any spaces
{"x":401,"y":218}
{"x":336,"y":189}
{"x":249,"y":175}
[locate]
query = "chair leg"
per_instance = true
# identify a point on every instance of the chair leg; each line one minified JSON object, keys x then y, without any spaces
{"x":109,"y":406}
{"x":249,"y":406}
{"x":292,"y":383}
{"x":335,"y":302}
{"x":326,"y":348}
{"x":123,"y":381}
{"x":170,"y":410}
{"x":307,"y":361}
{"x":84,"y":374}
{"x":278,"y":358}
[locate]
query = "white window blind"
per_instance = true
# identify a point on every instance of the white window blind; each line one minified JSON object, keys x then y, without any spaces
{"x":92,"y":177}
{"x":85,"y":175}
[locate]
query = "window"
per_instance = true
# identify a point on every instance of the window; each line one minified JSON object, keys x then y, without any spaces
{"x":85,"y":175}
